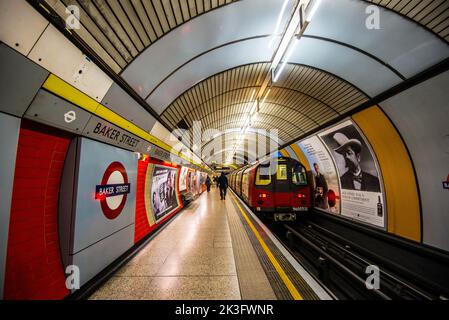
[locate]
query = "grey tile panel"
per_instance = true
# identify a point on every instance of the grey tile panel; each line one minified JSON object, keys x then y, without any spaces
{"x":20,"y":80}
{"x":54,"y":111}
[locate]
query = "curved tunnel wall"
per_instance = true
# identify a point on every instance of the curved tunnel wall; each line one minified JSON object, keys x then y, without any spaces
{"x":419,"y":114}
{"x":401,"y":190}
{"x":403,"y":213}
{"x":33,"y":265}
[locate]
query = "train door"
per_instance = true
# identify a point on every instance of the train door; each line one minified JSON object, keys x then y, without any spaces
{"x":291,"y":187}
{"x":282,"y":186}
{"x":300,"y":191}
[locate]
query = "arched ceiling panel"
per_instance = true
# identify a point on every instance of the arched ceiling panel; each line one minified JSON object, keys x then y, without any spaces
{"x":326,"y":88}
{"x":117,"y":30}
{"x":231,"y":136}
{"x":213,"y":62}
{"x":207,"y":68}
{"x":303,"y":100}
{"x":121,"y":29}
{"x":416,"y":50}
{"x":257,"y":144}
{"x":236,"y":120}
{"x":241,"y":20}
{"x":431,"y":14}
{"x":304,"y":89}
{"x":366,"y":73}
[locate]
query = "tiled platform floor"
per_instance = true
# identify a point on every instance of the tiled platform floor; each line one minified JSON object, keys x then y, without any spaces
{"x":192,"y":258}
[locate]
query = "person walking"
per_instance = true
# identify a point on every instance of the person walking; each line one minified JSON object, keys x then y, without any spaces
{"x":216,"y":181}
{"x":208,"y":183}
{"x":223,"y":185}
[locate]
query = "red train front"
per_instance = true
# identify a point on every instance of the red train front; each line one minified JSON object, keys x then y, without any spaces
{"x":278,"y":187}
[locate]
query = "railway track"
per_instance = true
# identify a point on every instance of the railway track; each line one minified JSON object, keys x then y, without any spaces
{"x":341,"y":265}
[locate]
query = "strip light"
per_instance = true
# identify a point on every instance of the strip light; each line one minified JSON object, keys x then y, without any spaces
{"x":278,"y":23}
{"x":295,"y":22}
{"x":286,"y":59}
{"x":287,"y":45}
{"x":314,"y":8}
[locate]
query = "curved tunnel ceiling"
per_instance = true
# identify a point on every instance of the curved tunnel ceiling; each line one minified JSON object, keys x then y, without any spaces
{"x":258,"y":142}
{"x":201,"y":60}
{"x":305,"y":99}
{"x":120,"y":30}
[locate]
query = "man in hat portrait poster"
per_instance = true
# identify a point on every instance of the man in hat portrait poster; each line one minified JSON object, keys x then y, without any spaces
{"x":355,"y":178}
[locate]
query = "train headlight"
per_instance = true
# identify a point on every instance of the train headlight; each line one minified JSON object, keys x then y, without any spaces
{"x":264,"y":195}
{"x":301,"y":195}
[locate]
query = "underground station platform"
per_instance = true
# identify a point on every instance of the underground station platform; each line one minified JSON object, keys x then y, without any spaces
{"x":224,"y":158}
{"x":216,"y":250}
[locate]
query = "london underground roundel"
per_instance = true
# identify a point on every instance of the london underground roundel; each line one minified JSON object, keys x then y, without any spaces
{"x":113,"y":190}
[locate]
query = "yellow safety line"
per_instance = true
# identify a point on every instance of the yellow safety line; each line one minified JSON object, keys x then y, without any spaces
{"x":43,"y":7}
{"x":65,"y":90}
{"x":293,"y":291}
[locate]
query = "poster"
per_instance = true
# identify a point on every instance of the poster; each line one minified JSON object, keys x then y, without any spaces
{"x":326,"y":180}
{"x":192,"y":181}
{"x":183,"y":179}
{"x":360,"y":181}
{"x":164,"y":194}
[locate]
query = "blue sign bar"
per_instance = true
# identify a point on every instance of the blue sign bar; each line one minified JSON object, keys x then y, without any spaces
{"x":111,"y":190}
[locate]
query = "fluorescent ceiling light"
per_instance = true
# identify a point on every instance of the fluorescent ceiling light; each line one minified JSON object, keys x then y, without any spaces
{"x":286,"y":59}
{"x":252,"y":95}
{"x":253,"y":109}
{"x":313,"y":9}
{"x":278,"y":23}
{"x":289,"y":33}
{"x":265,"y":98}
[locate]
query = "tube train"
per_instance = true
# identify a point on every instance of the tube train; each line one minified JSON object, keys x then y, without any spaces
{"x":277,"y":188}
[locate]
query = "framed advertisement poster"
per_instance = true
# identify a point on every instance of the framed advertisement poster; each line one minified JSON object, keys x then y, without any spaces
{"x":163,"y":191}
{"x":325,"y":176}
{"x":183,"y":179}
{"x":362,"y":196}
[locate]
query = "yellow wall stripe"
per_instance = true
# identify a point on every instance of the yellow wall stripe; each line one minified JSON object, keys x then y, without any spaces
{"x":403,"y":211}
{"x":290,"y":286}
{"x":285,"y":153}
{"x":302,"y":158}
{"x":70,"y":93}
{"x":61,"y":88}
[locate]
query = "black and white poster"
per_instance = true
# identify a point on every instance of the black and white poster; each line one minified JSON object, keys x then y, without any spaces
{"x":164,"y":193}
{"x":360,"y":181}
{"x":326,"y":189}
{"x":192,"y":181}
{"x":183,"y":179}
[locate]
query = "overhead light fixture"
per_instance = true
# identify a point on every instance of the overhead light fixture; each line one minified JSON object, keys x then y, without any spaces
{"x":254,"y":108}
{"x":313,"y":9}
{"x":290,"y":32}
{"x":252,"y":95}
{"x":284,"y":51}
{"x":266,"y":95}
{"x":286,"y":59}
{"x":278,"y":23}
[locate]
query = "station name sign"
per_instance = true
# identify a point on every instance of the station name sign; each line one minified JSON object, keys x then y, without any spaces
{"x":111,"y":190}
{"x":116,"y":135}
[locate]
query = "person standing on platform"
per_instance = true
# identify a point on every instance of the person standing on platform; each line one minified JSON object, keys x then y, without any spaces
{"x":208,"y":183}
{"x":223,"y":185}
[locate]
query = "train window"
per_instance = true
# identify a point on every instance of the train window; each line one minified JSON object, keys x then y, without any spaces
{"x":263,"y":176}
{"x":299,"y":176}
{"x":281,"y":172}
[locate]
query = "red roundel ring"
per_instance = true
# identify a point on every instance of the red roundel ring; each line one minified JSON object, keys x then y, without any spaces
{"x":108,"y":212}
